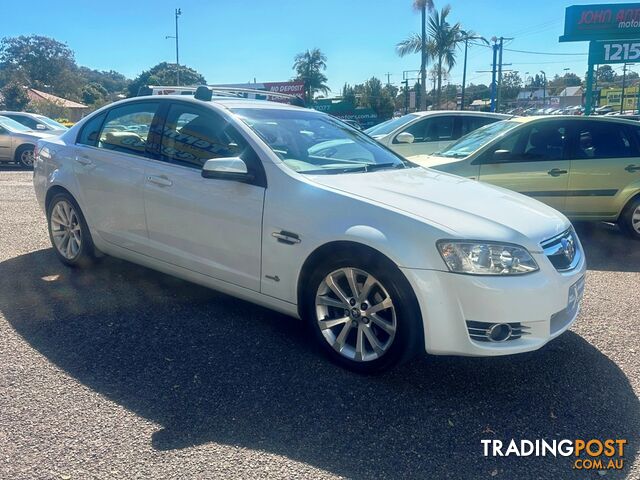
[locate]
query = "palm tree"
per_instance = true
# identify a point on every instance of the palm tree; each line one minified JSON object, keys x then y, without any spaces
{"x":417,"y":43}
{"x":466,"y":36}
{"x":444,"y":39}
{"x":309,"y":67}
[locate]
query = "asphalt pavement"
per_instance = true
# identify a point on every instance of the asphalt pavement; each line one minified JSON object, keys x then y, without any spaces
{"x":122,"y":372}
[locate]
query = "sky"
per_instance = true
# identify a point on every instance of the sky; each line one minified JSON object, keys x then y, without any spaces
{"x":239,"y":41}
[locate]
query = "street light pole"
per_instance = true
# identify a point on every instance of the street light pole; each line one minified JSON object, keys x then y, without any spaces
{"x":544,"y":89}
{"x":464,"y":72}
{"x":178,"y":12}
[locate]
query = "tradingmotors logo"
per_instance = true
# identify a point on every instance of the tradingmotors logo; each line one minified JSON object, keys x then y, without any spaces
{"x":592,"y":454}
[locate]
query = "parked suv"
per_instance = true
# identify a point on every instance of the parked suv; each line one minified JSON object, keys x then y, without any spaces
{"x":17,"y":142}
{"x":36,"y":122}
{"x":427,"y":132}
{"x":382,"y":258}
{"x":586,"y":167}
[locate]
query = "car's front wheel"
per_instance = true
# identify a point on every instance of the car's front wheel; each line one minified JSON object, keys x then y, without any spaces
{"x":25,"y":156}
{"x":629,"y":221}
{"x":68,"y":231}
{"x":363,"y":313}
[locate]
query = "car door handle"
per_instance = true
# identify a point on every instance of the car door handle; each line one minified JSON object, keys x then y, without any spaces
{"x":632,"y":168}
{"x":556,"y":172}
{"x":161,"y":181}
{"x":82,"y":160}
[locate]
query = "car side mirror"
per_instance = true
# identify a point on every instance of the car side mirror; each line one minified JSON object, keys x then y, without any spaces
{"x":405,"y":137}
{"x":227,"y":168}
{"x":501,"y":156}
{"x":40,"y":127}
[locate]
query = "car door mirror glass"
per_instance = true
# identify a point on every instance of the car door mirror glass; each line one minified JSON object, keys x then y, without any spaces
{"x":232,"y":168}
{"x":405,"y":137}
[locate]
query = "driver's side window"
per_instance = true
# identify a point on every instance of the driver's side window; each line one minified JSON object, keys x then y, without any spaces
{"x":536,"y":143}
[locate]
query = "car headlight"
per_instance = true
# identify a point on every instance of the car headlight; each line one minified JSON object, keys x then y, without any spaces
{"x":484,"y":258}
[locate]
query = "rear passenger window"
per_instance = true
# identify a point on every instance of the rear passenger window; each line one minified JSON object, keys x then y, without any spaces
{"x":192,"y":136}
{"x":603,"y":140}
{"x":126,"y":129}
{"x":91,"y":130}
{"x":470,"y":123}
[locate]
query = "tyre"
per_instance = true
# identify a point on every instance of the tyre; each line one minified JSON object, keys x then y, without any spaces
{"x":629,"y":221}
{"x":363,"y":313}
{"x":24,"y":156}
{"x":68,"y":232}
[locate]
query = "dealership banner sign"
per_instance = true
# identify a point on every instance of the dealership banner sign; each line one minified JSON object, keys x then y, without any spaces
{"x":601,"y":22}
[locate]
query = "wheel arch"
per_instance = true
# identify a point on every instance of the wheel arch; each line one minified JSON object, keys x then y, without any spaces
{"x":52,"y":192}
{"x":626,"y":205}
{"x":19,"y":149}
{"x":316,"y":257}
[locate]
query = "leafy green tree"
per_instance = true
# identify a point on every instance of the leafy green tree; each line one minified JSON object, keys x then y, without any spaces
{"x":417,"y":43}
{"x":47,"y":64}
{"x":442,"y":40}
{"x":381,"y":99}
{"x":605,"y":74}
{"x":94,"y":94}
{"x":165,"y":74}
{"x":309,"y":67}
{"x":14,"y":97}
{"x":349,"y":94}
{"x":112,"y":81}
{"x":511,"y":86}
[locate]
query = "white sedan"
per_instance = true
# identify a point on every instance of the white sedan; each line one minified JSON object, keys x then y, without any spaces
{"x":382,"y":258}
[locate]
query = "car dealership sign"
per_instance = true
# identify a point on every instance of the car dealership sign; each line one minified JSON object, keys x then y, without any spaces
{"x":601,"y":22}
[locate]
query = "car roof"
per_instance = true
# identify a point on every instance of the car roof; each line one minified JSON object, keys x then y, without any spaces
{"x":462,"y":113}
{"x":579,"y":118}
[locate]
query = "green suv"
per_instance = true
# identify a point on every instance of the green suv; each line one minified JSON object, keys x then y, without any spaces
{"x":586,"y":167}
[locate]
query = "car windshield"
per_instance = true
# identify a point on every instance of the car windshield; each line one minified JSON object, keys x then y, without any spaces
{"x":12,"y":125}
{"x":314,"y":143}
{"x":390,"y":125}
{"x":52,"y":123}
{"x":477,"y":139}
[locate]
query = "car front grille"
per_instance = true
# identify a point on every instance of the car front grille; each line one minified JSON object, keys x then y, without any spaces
{"x":563,"y":251}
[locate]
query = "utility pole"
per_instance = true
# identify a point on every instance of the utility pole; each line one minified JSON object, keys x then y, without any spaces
{"x":544,"y":89}
{"x":493,"y":75}
{"x":423,"y":65}
{"x":406,"y":96}
{"x":464,"y":72}
{"x":624,"y":78}
{"x":178,"y":12}
{"x":388,"y":78}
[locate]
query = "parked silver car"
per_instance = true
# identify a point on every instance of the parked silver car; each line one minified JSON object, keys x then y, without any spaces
{"x":36,"y":122}
{"x":17,"y":142}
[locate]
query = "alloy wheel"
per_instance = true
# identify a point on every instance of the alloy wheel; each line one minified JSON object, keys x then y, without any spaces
{"x":66,"y":230}
{"x":355,"y":314}
{"x":635,"y":219}
{"x":26,"y":158}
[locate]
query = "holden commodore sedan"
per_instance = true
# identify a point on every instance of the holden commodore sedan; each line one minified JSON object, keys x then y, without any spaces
{"x":586,"y":167}
{"x":383,"y":259}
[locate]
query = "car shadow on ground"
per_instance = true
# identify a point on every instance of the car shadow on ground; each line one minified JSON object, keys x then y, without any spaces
{"x":12,"y":167}
{"x":208,"y":367}
{"x":608,"y":248}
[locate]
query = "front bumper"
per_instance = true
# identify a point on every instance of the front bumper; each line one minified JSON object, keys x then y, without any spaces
{"x":537,"y":301}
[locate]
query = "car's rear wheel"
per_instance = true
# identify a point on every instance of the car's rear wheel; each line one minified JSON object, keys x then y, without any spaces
{"x":25,"y":156}
{"x":363,"y":313}
{"x":629,"y":221}
{"x":68,"y":231}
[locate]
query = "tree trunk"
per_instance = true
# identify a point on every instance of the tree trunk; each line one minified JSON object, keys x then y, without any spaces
{"x":423,"y":64}
{"x":439,"y":91}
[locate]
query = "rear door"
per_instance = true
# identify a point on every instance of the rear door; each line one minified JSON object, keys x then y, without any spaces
{"x":604,"y":160}
{"x":533,"y":161}
{"x":109,"y":166}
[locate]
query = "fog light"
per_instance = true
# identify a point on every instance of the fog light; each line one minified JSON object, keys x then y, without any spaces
{"x":500,"y":332}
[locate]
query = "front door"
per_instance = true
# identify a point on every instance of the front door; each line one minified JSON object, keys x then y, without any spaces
{"x":531,"y":160}
{"x":206,"y":225}
{"x":430,"y":134}
{"x":109,"y":165}
{"x":604,"y":160}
